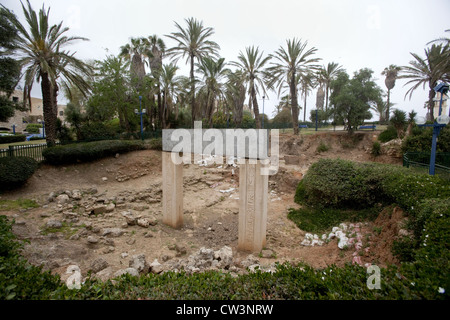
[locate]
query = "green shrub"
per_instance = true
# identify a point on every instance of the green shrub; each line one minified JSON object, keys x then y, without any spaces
{"x":322,"y":147}
{"x":154,"y":144}
{"x":420,"y":140}
{"x":376,"y":149}
{"x":340,"y":183}
{"x":346,"y":184}
{"x":12,"y":138}
{"x":387,"y":135}
{"x":89,"y":151}
{"x":15,"y":171}
{"x":33,"y":127}
{"x":93,"y":131}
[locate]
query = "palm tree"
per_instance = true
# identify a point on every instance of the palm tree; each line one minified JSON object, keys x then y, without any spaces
{"x":398,"y":120}
{"x":154,"y":49}
{"x":251,"y":64}
{"x":328,"y":74}
{"x":307,"y":82}
{"x":169,"y":84}
{"x":135,"y":51}
{"x":41,"y":54}
{"x":380,"y":107}
{"x":193,"y":43}
{"x":212,"y":86}
{"x":428,"y":70}
{"x":235,"y":95}
{"x":391,"y":73}
{"x":290,"y":62}
{"x":445,"y":64}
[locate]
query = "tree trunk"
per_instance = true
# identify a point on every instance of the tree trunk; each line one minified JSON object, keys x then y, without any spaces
{"x":431,"y":95}
{"x":255,"y":108}
{"x":304,"y":109}
{"x":294,"y":103}
{"x":160,"y":108}
{"x":388,"y":106}
{"x":193,"y":111}
{"x":326,"y":96}
{"x":49,"y":113}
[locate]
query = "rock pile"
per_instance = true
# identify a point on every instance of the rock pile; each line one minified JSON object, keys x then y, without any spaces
{"x":348,"y":236}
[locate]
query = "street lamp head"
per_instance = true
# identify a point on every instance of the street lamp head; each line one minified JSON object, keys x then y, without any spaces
{"x":421,"y":120}
{"x":443,"y":119}
{"x":442,"y":88}
{"x":136,"y":111}
{"x":144,"y":110}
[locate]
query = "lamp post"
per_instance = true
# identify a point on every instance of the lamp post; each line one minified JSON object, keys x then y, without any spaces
{"x":140,"y":112}
{"x":14,"y":128}
{"x":440,"y":122}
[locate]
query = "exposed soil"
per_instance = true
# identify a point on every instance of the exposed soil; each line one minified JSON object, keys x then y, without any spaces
{"x":133,"y":182}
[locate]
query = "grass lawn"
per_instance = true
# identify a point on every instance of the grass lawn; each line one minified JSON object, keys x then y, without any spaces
{"x":6,"y":145}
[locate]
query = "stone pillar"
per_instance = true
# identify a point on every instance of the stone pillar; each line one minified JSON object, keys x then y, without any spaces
{"x":172,"y":188}
{"x":253,"y":195}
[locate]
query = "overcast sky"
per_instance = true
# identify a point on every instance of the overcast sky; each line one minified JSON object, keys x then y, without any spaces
{"x":355,"y":33}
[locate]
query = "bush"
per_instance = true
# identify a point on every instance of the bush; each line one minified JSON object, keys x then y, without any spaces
{"x":12,"y":138}
{"x":33,"y":127}
{"x":346,"y":184}
{"x":339,"y":183}
{"x":376,"y":149}
{"x":420,"y":140}
{"x":89,"y":151}
{"x":94,"y":131}
{"x":15,"y":171}
{"x":387,"y":135}
{"x":322,"y":147}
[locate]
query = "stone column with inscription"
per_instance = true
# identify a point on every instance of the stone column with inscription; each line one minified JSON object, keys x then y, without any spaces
{"x":253,"y":195}
{"x":172,"y":188}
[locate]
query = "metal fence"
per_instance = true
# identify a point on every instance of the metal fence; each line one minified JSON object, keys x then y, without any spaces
{"x":35,"y":150}
{"x":420,"y":161}
{"x":28,"y":150}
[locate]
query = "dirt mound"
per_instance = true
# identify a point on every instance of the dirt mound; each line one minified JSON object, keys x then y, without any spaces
{"x":386,"y":229}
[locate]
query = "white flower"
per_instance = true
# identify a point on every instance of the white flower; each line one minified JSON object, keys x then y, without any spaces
{"x":441,"y":290}
{"x":323,"y":278}
{"x":413,"y":283}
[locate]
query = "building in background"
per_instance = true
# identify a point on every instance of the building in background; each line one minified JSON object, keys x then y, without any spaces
{"x":22,"y":118}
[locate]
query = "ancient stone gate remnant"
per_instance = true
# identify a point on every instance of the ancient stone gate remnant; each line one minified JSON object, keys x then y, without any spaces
{"x":250,"y":147}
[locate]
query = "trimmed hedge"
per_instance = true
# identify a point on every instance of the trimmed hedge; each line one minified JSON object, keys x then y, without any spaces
{"x":89,"y":151}
{"x":345,"y":184}
{"x":15,"y":171}
{"x":33,"y":127}
{"x":13,"y":138}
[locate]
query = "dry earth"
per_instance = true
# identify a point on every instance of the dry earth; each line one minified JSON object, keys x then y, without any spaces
{"x":133,"y":184}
